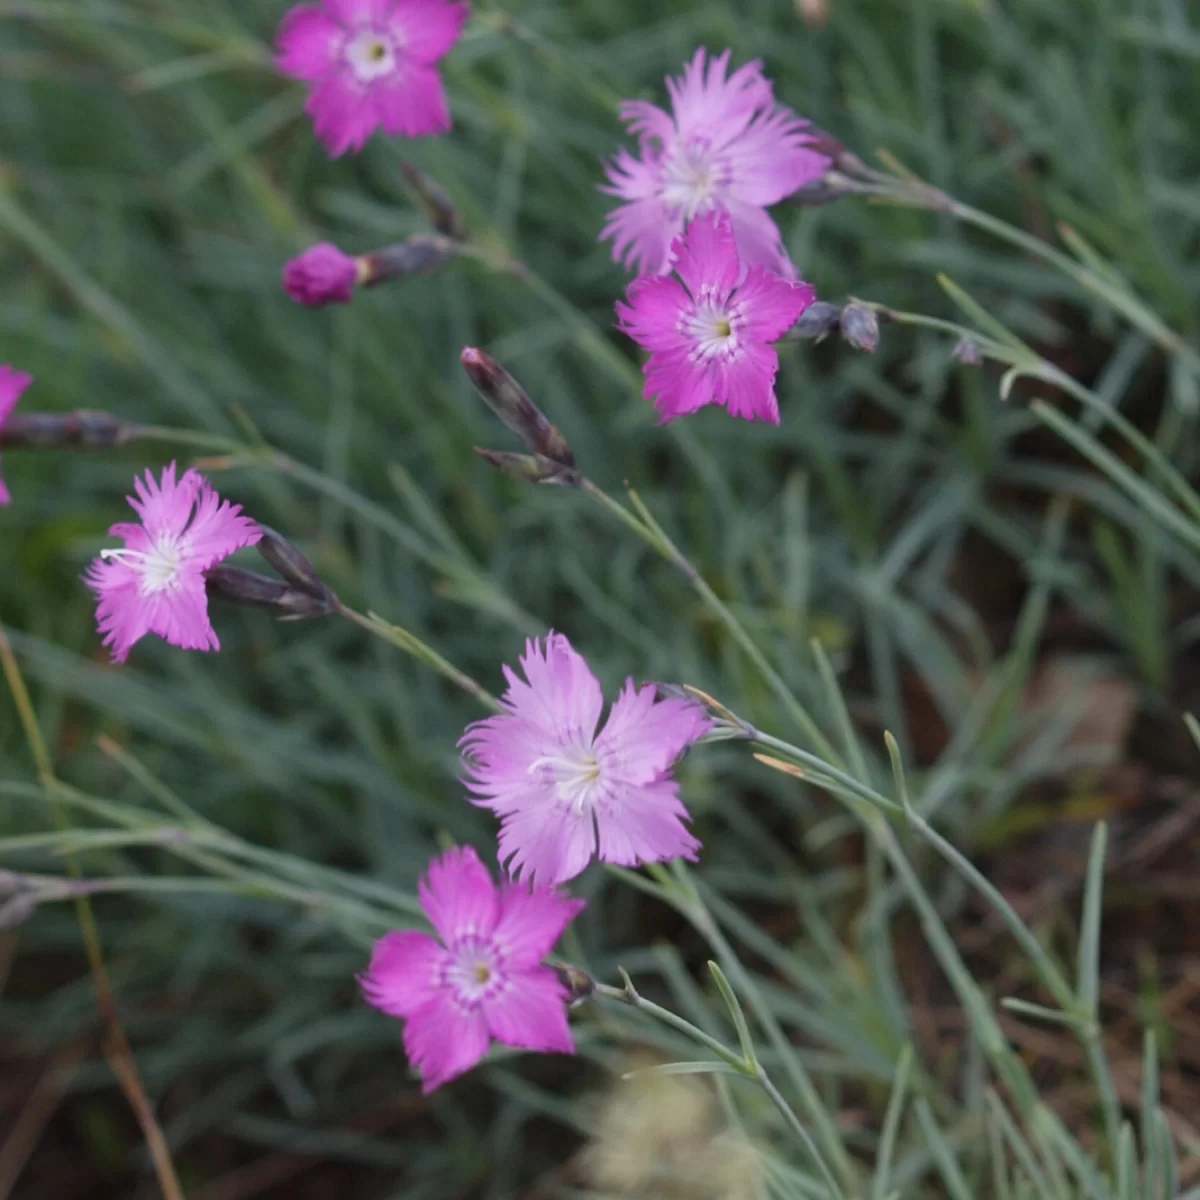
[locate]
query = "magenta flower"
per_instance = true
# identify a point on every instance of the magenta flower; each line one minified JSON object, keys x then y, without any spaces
{"x":156,"y":583}
{"x":321,"y":275}
{"x":709,"y":332}
{"x":563,"y":789}
{"x":483,"y":980}
{"x":371,"y":65}
{"x":13,"y":385}
{"x":726,"y":147}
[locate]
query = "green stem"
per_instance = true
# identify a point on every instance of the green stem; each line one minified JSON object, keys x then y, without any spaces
{"x":629,"y":995}
{"x":917,"y":194}
{"x":863,"y":791}
{"x":399,"y":637}
{"x":691,"y":905}
{"x":647,"y":528}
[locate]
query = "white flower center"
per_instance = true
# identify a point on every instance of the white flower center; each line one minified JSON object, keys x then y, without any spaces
{"x":575,"y":773}
{"x":712,"y":326}
{"x":370,"y":55}
{"x":475,"y":974}
{"x":159,"y":569}
{"x":692,"y":177}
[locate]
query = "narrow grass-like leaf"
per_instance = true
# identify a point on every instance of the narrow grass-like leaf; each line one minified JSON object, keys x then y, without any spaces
{"x":891,"y":1125}
{"x":735,"y":1011}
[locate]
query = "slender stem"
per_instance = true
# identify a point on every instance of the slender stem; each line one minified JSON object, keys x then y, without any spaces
{"x":691,"y":904}
{"x":917,"y":194}
{"x":399,"y":637}
{"x":862,"y":790}
{"x":187,"y":437}
{"x":793,"y":1123}
{"x":644,"y":525}
{"x":629,"y":995}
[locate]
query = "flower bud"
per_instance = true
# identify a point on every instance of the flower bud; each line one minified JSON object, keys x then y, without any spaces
{"x":817,"y":321}
{"x":577,"y":982}
{"x":967,"y":352}
{"x":245,"y":588}
{"x":860,"y":327}
{"x":435,"y":202}
{"x":83,"y":428}
{"x":418,"y":255}
{"x":526,"y":468}
{"x":290,"y":563}
{"x":322,"y":275}
{"x":511,"y":403}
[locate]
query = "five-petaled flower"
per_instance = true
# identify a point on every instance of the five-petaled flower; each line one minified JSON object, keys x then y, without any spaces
{"x":565,"y":790}
{"x":370,"y":64}
{"x":155,"y":584}
{"x":12,"y":387}
{"x":726,"y":146}
{"x":709,"y":332}
{"x":483,"y":980}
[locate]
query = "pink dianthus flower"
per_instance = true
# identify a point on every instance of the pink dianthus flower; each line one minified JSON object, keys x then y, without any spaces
{"x":565,"y":790}
{"x":709,"y":332}
{"x":371,"y":64}
{"x":484,"y":979}
{"x":13,"y":385}
{"x":156,"y":583}
{"x":725,"y":146}
{"x":321,"y":275}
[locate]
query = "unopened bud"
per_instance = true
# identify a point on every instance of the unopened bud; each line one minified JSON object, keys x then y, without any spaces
{"x":322,"y":275}
{"x":18,"y":910}
{"x":860,"y":327}
{"x":289,"y":562}
{"x":530,"y":468}
{"x":967,"y":352}
{"x":435,"y":202}
{"x":418,"y":255}
{"x":817,"y":321}
{"x":287,"y":602}
{"x":577,"y":982}
{"x":44,"y":431}
{"x":511,"y":403}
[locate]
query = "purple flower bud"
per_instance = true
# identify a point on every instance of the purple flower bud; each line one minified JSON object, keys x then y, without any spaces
{"x":578,"y":983}
{"x":250,"y":590}
{"x":817,"y":321}
{"x":321,"y":275}
{"x":83,"y":428}
{"x":860,"y":327}
{"x":417,"y":255}
{"x":511,"y":403}
{"x":290,"y":563}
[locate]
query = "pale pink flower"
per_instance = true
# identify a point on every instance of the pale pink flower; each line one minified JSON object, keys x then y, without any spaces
{"x":156,"y":583}
{"x":13,"y":384}
{"x":709,"y":332}
{"x":725,"y":146}
{"x":565,"y":790}
{"x":321,"y":275}
{"x":483,"y":980}
{"x":371,"y":65}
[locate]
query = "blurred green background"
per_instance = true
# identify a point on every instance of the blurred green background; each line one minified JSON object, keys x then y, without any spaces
{"x":155,"y":174}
